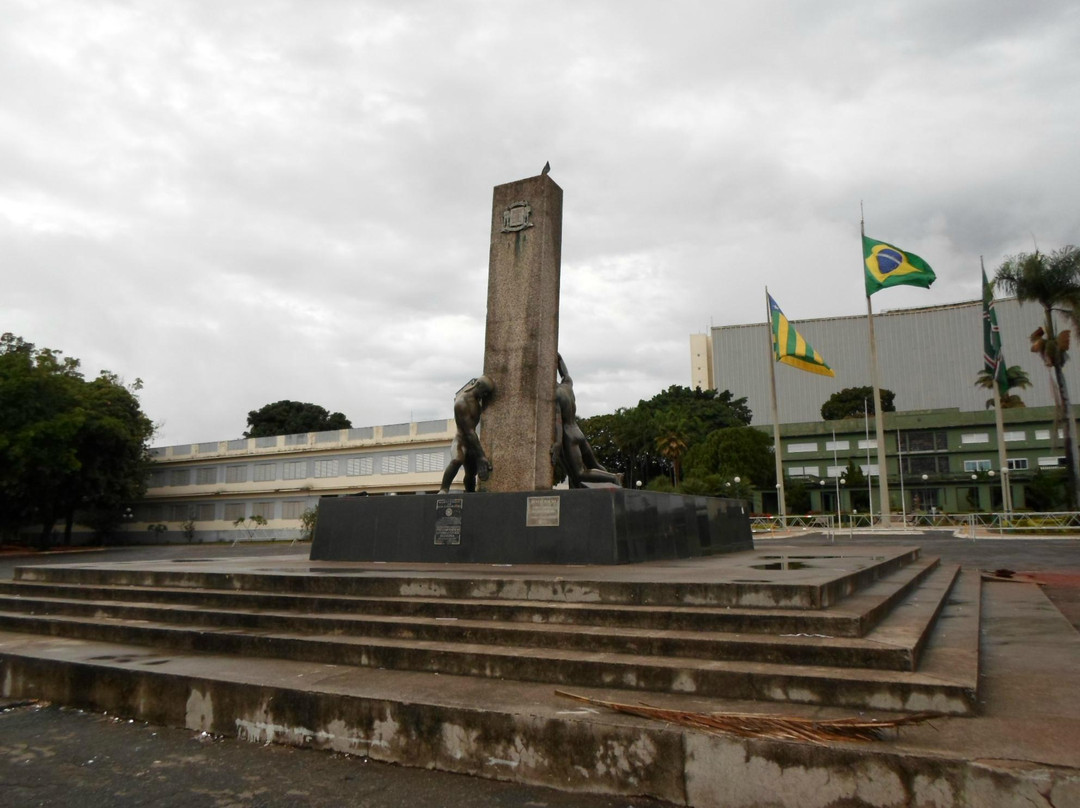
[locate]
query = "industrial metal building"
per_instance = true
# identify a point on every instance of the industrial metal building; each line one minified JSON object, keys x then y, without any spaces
{"x":928,"y":356}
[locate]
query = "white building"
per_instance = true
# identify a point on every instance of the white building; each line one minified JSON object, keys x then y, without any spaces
{"x":202,"y":489}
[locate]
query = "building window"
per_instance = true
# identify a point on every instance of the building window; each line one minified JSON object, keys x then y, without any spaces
{"x":926,"y":464}
{"x":924,"y":440}
{"x":803,"y":471}
{"x":975,"y":437}
{"x":837,"y":445}
{"x":976,"y":465}
{"x":430,"y":461}
{"x":835,"y":471}
{"x":294,"y":470}
{"x":180,"y":477}
{"x":1051,"y":462}
{"x":326,"y":468}
{"x":1017,"y":463}
{"x":265,"y":472}
{"x":296,"y":440}
{"x":868,"y":444}
{"x":206,"y":475}
{"x":236,"y":474}
{"x":292,"y":509}
{"x":870,"y":470}
{"x":796,"y":448}
{"x":263,"y":509}
{"x":359,"y":466}
{"x":157,"y":479}
{"x":180,"y":512}
{"x":204,"y":512}
{"x":234,"y":511}
{"x":1014,"y":436}
{"x":395,"y":464}
{"x":150,"y":513}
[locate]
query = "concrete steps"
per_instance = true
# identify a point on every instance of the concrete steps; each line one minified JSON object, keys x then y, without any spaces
{"x":853,"y":616}
{"x":573,"y":633}
{"x":896,"y":650}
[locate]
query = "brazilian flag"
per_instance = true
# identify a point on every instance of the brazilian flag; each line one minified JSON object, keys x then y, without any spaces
{"x":789,"y":346}
{"x":887,"y":266}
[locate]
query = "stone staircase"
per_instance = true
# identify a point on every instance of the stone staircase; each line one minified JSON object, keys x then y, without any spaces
{"x":891,"y":631}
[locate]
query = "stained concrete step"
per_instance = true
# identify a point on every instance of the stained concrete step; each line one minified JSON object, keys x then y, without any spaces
{"x":853,"y":616}
{"x":893,"y":649}
{"x":1016,"y":754}
{"x":948,"y":690}
{"x":751,"y":585}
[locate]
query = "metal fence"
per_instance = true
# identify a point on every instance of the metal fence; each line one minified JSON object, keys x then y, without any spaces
{"x":1057,"y":523}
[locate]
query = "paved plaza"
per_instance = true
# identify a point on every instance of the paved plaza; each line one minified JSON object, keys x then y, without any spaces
{"x":51,"y":755}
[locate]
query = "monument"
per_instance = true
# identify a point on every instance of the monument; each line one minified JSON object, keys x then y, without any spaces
{"x":522,"y":337}
{"x":513,"y":421}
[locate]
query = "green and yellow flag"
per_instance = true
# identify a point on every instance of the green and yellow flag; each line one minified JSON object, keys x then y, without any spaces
{"x":887,"y":266}
{"x":789,"y":346}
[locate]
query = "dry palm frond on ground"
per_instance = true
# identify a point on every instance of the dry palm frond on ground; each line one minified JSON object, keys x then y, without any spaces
{"x":765,"y":725}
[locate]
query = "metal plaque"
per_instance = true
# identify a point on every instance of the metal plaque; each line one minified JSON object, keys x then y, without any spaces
{"x":542,"y":512}
{"x":448,"y":521}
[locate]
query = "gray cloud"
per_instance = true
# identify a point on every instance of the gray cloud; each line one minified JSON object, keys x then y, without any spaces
{"x":242,"y":202}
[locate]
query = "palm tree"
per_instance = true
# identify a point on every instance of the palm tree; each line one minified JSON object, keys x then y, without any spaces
{"x":1052,"y":281}
{"x":671,"y":443}
{"x":1015,"y":376}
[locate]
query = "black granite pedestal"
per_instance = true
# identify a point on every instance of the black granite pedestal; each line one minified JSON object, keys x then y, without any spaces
{"x":587,"y":526}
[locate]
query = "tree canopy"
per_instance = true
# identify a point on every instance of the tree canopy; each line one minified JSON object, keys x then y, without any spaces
{"x":738,"y":451}
{"x":651,"y":439}
{"x":70,"y":449}
{"x":1015,"y":376}
{"x":1053,"y":281}
{"x":292,"y":418}
{"x":849,"y":403}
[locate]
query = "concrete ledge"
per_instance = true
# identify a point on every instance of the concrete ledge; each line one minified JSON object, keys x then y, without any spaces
{"x":523,"y":733}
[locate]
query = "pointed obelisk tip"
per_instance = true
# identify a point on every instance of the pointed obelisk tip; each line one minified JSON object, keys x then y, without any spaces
{"x":546,"y":169}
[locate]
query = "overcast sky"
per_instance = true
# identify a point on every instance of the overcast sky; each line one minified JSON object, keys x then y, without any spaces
{"x":241,"y":202}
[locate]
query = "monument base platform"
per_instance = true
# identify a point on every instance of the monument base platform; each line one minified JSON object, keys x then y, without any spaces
{"x":583,"y":526}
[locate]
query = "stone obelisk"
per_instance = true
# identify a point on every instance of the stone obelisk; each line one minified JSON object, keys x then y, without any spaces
{"x":522,"y":340}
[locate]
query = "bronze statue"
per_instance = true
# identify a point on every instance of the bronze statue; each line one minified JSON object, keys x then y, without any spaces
{"x":466,"y":449}
{"x":571,"y":446}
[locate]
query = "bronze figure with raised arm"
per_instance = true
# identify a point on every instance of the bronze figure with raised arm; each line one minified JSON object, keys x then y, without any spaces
{"x":466,"y":449}
{"x":577,"y":456}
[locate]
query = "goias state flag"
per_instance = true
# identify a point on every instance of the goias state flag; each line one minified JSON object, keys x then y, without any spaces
{"x":789,"y":346}
{"x":887,"y":266}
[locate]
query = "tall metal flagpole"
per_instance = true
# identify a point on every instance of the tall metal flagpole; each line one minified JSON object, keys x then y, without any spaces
{"x":869,"y":482}
{"x":775,"y":418}
{"x":879,"y":424}
{"x":1003,"y":461}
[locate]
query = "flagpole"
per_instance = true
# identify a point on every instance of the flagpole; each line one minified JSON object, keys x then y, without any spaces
{"x":879,"y":424}
{"x":999,"y":420}
{"x":1003,"y":462}
{"x":775,"y":418}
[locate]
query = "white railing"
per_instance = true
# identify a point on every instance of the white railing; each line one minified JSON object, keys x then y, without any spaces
{"x":1048,"y":523}
{"x":972,"y":524}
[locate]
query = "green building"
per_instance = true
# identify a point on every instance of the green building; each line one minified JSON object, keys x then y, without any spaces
{"x":941,"y":460}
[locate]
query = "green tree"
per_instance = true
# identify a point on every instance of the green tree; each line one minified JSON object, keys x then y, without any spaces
{"x":739,"y":451}
{"x":643,"y":442}
{"x":1015,"y":376}
{"x":797,"y":494}
{"x":67,"y":446}
{"x":856,"y":486}
{"x":1045,"y":491}
{"x":850,"y":403}
{"x":292,"y":418}
{"x":1053,"y":281}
